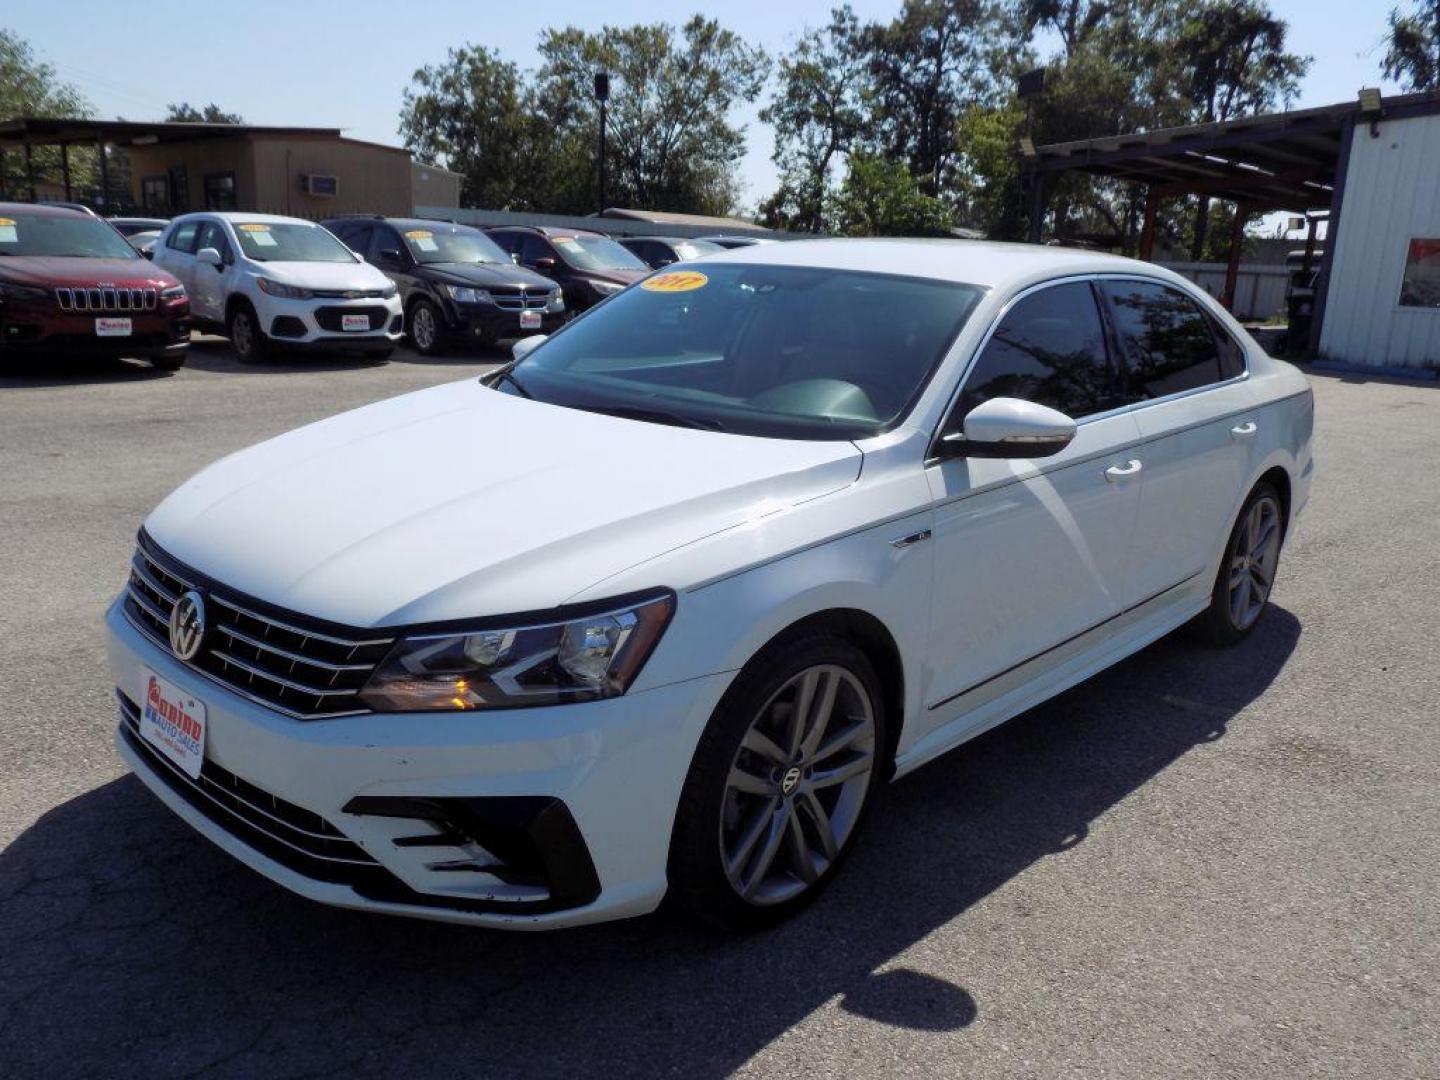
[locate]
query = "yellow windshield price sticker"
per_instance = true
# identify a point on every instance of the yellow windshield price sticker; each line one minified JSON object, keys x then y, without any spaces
{"x":418,"y":234}
{"x":679,"y":281}
{"x":253,"y":226}
{"x":7,"y":221}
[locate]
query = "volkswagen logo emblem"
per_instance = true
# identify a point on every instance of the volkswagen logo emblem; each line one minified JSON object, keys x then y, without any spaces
{"x":187,"y":625}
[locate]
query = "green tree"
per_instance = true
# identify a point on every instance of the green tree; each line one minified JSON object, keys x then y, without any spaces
{"x":924,"y":68}
{"x":817,"y":113}
{"x":672,"y":145}
{"x":881,"y":197}
{"x":1412,"y":57}
{"x":29,"y":87}
{"x":210,"y":114}
{"x":477,"y":115}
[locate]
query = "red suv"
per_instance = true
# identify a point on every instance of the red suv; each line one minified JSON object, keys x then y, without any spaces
{"x":69,"y":283}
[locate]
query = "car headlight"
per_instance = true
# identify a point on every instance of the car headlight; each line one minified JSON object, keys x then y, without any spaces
{"x":556,"y":302}
{"x":583,"y":658}
{"x":390,"y":291}
{"x":464,"y":294}
{"x":279,"y":288}
{"x":606,"y":288}
{"x":175,"y":292}
{"x":22,"y":292}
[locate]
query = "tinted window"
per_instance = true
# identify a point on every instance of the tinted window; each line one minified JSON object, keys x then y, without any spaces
{"x":508,"y":241}
{"x":182,"y":238}
{"x":356,"y":236}
{"x":1166,"y":338}
{"x":534,"y":248}
{"x":1232,"y":356}
{"x":789,"y":351}
{"x":1049,"y":349}
{"x":212,"y":235}
{"x":386,"y":239}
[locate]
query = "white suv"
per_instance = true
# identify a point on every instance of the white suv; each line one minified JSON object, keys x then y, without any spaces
{"x":269,"y":281}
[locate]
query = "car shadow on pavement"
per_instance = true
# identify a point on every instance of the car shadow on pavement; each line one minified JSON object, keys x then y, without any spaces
{"x":29,"y":372}
{"x":133,"y":947}
{"x":216,"y":355}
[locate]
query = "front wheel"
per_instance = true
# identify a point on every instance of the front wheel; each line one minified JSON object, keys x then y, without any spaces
{"x":1247,"y":572}
{"x":246,"y":338}
{"x":427,"y":328}
{"x":780,"y":785}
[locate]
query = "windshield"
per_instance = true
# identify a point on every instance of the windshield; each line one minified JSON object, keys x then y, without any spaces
{"x":47,"y":234}
{"x":453,"y":244}
{"x":595,"y":253}
{"x":787,"y":351}
{"x":284,"y":241}
{"x":694,"y":249}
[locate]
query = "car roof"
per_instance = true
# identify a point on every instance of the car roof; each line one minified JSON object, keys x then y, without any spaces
{"x":545,"y":230}
{"x":234,"y":216}
{"x":401,"y":222}
{"x":974,"y":262}
{"x":138,"y":220}
{"x":45,"y":209}
{"x":664,"y":239}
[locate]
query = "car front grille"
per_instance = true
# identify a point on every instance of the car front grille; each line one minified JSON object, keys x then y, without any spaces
{"x":329,"y":318}
{"x":286,"y":662}
{"x":104,"y":299}
{"x":519,"y":297}
{"x":289,"y":834}
{"x":349,"y":294}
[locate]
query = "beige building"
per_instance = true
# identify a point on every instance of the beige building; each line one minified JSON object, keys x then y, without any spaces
{"x":171,"y":168}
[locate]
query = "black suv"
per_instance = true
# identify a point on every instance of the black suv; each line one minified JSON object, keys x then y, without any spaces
{"x":456,"y":284}
{"x":659,"y":252}
{"x":588,"y":265}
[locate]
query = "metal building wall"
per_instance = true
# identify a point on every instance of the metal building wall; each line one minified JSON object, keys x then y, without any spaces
{"x":1392,"y":194}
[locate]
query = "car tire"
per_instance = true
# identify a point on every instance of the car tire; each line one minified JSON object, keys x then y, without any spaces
{"x":426,"y":327}
{"x":1241,"y":594}
{"x":246,"y":338}
{"x":767,"y":817}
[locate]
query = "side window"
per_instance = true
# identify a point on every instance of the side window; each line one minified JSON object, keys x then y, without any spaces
{"x":1232,"y":355}
{"x":386,"y":239}
{"x":508,"y":241}
{"x":534,"y":248}
{"x":212,"y":234}
{"x":1166,"y":338}
{"x":1049,"y":349}
{"x":357,"y":238}
{"x":182,"y":237}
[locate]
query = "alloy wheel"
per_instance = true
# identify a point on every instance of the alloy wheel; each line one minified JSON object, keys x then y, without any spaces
{"x":1253,"y":558}
{"x":422,"y":328}
{"x":797,"y":784}
{"x":242,"y":333}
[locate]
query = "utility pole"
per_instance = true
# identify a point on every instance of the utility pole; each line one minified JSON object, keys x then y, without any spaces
{"x":602,"y":95}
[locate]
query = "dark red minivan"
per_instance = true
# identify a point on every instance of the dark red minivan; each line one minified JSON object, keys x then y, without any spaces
{"x":71,"y":284}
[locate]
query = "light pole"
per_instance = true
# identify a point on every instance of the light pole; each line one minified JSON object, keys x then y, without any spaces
{"x":602,"y":95}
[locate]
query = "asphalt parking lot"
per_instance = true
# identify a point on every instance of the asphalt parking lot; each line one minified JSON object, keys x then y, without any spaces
{"x":1201,"y":863}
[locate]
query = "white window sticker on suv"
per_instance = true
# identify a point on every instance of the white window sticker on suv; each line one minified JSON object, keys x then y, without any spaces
{"x":8,"y":234}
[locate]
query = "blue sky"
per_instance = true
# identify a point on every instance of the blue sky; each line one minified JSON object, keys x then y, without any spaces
{"x":328,"y":64}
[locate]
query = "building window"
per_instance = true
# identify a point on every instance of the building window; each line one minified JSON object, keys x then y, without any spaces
{"x":220,"y":191}
{"x":155,"y":193}
{"x":1420,"y":287}
{"x":179,"y":189}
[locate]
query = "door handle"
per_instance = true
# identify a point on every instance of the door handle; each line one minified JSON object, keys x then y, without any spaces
{"x":1124,"y":472}
{"x":1245,"y":430}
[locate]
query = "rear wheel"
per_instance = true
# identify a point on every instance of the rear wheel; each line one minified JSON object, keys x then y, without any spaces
{"x":781,"y":783}
{"x":427,"y":328}
{"x":1247,"y":573}
{"x":246,"y":338}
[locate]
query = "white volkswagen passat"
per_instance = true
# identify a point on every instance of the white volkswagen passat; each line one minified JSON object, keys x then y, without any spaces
{"x":657,"y":607}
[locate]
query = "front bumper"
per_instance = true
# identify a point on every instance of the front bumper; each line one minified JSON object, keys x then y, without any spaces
{"x":487,"y":323}
{"x":152,"y":335}
{"x":614,"y":768}
{"x":317,"y":323}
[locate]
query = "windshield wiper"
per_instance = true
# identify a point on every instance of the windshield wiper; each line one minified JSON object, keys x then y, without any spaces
{"x":656,"y":416}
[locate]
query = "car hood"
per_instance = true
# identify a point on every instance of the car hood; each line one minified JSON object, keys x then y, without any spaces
{"x":323,"y":275}
{"x":460,"y":502}
{"x":50,"y":271}
{"x":486,"y":274}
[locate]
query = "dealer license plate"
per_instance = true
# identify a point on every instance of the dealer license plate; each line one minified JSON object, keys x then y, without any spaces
{"x":352,"y":323}
{"x":529,"y":320}
{"x":112,"y":327}
{"x":173,"y":723}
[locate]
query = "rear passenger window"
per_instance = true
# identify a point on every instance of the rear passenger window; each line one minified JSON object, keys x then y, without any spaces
{"x":183,"y":238}
{"x":1232,"y":356}
{"x":1166,"y":338}
{"x":1049,"y":349}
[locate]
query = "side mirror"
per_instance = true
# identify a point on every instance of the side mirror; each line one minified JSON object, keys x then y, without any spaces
{"x":526,"y":345}
{"x":389,"y":257}
{"x":148,"y":253}
{"x":210,"y":257}
{"x":664,"y":261}
{"x":1010,"y":428}
{"x":545,"y":263}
